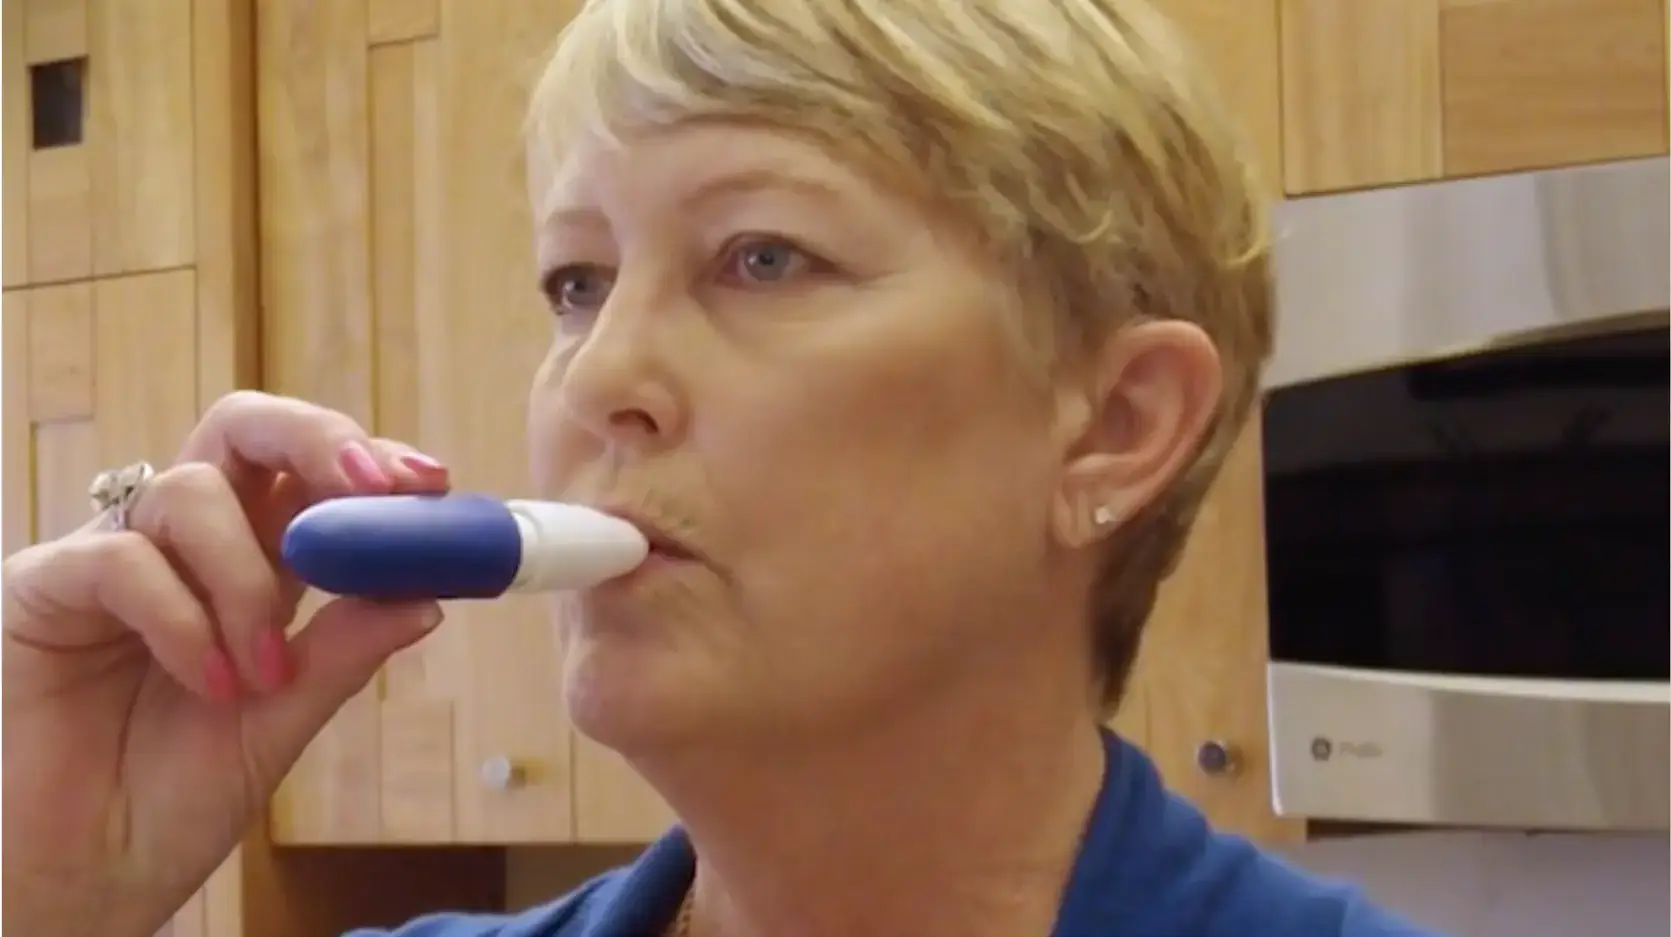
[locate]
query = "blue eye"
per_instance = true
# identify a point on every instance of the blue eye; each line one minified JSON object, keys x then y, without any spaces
{"x":578,"y":288}
{"x":767,"y":261}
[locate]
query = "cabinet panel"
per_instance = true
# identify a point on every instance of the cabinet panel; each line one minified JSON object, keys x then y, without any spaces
{"x":316,"y":326}
{"x":1382,"y":92}
{"x":61,"y":352}
{"x":1360,"y":93}
{"x":14,"y":84}
{"x":140,"y":134}
{"x":54,"y":29}
{"x":397,"y":287}
{"x":1200,"y":678}
{"x":1239,"y":42}
{"x":96,"y":375}
{"x":1538,"y":83}
{"x":100,"y":137}
{"x":18,"y":427}
{"x":106,"y":375}
{"x":146,"y":328}
{"x":59,"y":213}
{"x":48,"y":180}
{"x":490,"y":332}
{"x":1204,"y":659}
{"x":391,"y":21}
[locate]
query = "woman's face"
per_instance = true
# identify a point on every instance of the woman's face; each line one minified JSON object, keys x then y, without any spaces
{"x":814,"y":388}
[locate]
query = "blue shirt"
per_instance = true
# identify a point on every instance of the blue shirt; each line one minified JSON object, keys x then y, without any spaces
{"x":1149,"y":867}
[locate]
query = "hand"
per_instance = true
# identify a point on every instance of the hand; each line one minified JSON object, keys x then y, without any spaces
{"x":152,"y":702}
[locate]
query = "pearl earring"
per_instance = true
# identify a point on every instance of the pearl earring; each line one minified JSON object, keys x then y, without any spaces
{"x":1103,"y":516}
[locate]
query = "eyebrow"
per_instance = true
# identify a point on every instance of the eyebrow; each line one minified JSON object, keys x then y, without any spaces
{"x":760,"y":180}
{"x":716,"y":189}
{"x":720,"y":187}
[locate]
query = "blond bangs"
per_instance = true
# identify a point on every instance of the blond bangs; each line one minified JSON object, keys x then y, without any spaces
{"x":621,"y":67}
{"x":1049,"y":126}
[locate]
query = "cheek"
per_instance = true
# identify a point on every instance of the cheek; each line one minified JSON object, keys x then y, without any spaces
{"x":553,"y":446}
{"x":877,"y":477}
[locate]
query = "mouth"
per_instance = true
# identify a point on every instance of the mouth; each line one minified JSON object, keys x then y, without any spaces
{"x":663,"y":545}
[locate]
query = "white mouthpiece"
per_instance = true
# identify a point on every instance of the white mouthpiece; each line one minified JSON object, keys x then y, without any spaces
{"x":567,"y":547}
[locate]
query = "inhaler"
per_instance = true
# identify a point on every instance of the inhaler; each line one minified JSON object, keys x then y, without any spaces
{"x":457,"y":546}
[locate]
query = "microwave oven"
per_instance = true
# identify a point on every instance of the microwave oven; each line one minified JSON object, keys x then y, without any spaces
{"x":1467,"y":441}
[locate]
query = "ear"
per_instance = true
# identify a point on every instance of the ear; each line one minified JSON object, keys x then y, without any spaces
{"x":1149,"y":395}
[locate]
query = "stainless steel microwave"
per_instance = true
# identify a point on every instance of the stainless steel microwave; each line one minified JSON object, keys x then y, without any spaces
{"x":1468,"y":503}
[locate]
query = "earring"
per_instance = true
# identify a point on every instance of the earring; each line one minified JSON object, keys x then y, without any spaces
{"x":1104,"y":516}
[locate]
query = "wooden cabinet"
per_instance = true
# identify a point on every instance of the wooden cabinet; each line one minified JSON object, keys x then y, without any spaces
{"x":100,"y":142}
{"x":1380,"y":92}
{"x":1533,"y":83}
{"x":1199,"y":686}
{"x":99,"y":373}
{"x":397,"y":285}
{"x":129,"y":249}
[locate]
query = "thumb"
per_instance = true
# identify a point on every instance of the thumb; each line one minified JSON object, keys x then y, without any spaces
{"x":336,"y":654}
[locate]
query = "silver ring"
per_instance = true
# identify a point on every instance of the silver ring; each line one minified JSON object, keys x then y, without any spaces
{"x":116,"y":491}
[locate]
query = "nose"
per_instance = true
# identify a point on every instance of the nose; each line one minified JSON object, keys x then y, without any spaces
{"x":618,"y":385}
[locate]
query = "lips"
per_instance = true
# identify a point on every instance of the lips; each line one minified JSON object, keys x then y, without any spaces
{"x":670,"y":549}
{"x":662,"y":543}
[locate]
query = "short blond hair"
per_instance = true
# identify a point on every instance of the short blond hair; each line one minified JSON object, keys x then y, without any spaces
{"x":1076,"y":135}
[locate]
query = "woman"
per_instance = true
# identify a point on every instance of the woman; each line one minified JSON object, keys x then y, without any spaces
{"x":914,"y":332}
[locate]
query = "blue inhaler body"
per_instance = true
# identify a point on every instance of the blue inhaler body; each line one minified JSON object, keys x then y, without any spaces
{"x":456,"y":546}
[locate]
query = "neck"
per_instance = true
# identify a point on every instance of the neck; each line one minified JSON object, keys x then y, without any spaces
{"x":960,"y":819}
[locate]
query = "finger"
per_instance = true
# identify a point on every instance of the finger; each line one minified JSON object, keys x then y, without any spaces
{"x":336,"y":654}
{"x":195,"y":518}
{"x":248,"y":430}
{"x":272,"y":508}
{"x":85,"y":590}
{"x":287,"y":496}
{"x":412,"y":471}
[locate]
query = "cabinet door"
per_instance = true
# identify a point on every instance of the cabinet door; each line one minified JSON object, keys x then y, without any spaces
{"x":97,"y":375}
{"x":99,"y":138}
{"x":398,"y":285}
{"x":1537,"y":83}
{"x":1199,"y":686}
{"x":1202,"y":668}
{"x":1380,"y":92}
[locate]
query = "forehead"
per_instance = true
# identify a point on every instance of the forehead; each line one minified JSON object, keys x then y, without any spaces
{"x":690,"y":161}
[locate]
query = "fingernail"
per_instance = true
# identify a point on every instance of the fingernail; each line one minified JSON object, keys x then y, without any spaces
{"x":362,"y":468}
{"x":432,"y":618}
{"x":220,"y":677}
{"x":423,"y":464}
{"x":272,"y":661}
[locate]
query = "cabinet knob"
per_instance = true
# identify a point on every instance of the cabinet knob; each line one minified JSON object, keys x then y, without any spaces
{"x":499,"y":773}
{"x":1218,"y":758}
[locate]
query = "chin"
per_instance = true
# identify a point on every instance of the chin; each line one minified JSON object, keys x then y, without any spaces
{"x":630,"y":693}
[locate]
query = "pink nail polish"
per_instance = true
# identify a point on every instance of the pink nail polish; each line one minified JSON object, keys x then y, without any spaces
{"x":423,"y":464}
{"x":219,"y":676}
{"x":272,"y":661}
{"x":362,"y":469}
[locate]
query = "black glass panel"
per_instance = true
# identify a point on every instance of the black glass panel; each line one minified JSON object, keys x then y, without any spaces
{"x":1505,"y":513}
